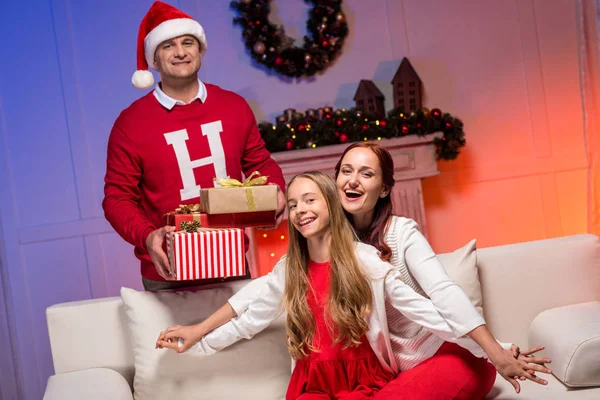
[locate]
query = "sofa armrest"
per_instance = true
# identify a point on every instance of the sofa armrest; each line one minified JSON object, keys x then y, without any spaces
{"x":89,"y":384}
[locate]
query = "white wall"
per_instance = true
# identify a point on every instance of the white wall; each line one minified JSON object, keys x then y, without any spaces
{"x":508,"y":69}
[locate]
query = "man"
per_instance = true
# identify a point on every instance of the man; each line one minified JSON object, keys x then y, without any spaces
{"x":174,"y":140}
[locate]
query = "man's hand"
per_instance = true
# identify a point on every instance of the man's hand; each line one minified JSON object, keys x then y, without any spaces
{"x":280,"y":207}
{"x":280,"y":210}
{"x":154,"y":243}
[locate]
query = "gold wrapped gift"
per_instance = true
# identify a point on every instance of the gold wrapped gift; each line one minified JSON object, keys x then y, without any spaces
{"x":233,"y":196}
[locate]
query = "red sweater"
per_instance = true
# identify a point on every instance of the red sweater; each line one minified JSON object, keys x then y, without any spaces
{"x":158,"y":159}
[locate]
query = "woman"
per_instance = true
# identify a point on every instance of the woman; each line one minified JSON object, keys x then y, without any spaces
{"x":364,"y":179}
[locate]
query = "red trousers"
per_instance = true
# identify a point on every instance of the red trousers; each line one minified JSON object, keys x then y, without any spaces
{"x":452,"y":373}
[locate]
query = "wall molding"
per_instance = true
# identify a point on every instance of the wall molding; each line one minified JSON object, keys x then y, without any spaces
{"x":64,"y":230}
{"x":79,"y":154}
{"x":534,"y":79}
{"x":24,"y":365}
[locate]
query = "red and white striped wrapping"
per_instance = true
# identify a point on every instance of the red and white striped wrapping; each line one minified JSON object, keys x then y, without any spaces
{"x":208,"y":253}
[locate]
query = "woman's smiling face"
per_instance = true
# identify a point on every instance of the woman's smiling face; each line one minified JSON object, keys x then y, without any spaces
{"x":360,"y":181}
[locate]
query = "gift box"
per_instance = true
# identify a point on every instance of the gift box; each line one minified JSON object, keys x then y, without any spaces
{"x":234,"y":197}
{"x":261,"y":219}
{"x":187,"y":214}
{"x":206,"y":253}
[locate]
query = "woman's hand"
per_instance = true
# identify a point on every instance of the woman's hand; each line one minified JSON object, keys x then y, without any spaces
{"x":527,"y":356}
{"x":514,"y":366}
{"x":170,"y":338}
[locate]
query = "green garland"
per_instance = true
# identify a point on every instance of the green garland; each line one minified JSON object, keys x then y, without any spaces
{"x":270,"y":46}
{"x":323,"y":127}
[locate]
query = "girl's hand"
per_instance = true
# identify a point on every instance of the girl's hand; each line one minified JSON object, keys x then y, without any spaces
{"x":170,"y":338}
{"x":512,"y":365}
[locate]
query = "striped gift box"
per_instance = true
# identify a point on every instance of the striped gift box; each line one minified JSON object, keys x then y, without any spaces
{"x":207,"y":253}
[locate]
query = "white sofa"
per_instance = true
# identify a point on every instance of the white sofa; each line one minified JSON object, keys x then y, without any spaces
{"x":93,"y":357}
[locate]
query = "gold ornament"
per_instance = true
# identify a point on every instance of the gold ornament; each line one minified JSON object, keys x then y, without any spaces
{"x":259,"y":48}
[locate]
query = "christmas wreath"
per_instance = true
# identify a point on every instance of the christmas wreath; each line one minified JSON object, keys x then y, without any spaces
{"x":325,"y":127}
{"x":269,"y":45}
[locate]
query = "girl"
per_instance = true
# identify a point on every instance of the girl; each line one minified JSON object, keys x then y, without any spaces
{"x":336,"y":295}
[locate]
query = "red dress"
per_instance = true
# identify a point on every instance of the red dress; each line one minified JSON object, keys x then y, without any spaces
{"x":332,"y":372}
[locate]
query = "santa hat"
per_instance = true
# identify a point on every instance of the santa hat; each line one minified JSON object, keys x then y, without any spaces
{"x":162,"y":22}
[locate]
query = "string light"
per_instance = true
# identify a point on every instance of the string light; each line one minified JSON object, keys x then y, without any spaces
{"x":264,"y":235}
{"x":356,"y":123}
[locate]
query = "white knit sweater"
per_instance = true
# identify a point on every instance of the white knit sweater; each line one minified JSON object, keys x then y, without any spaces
{"x":419,"y":268}
{"x":408,"y":340}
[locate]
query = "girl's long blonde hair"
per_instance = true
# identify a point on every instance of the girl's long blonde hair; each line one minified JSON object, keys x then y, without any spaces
{"x":350,"y":294}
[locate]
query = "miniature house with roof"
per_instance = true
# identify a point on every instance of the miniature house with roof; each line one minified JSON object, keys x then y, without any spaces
{"x":369,"y":98}
{"x":407,"y":88}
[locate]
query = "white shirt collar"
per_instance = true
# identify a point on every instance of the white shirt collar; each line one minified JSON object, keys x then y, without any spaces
{"x":169,"y":102}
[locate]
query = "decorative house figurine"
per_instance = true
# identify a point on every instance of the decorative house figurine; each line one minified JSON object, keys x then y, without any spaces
{"x":369,"y":98}
{"x":407,"y":88}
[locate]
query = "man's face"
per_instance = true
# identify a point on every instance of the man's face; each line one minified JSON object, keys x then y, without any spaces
{"x":178,"y":58}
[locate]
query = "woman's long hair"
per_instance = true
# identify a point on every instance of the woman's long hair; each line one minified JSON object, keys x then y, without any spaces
{"x":350,"y":294}
{"x":375,"y":233}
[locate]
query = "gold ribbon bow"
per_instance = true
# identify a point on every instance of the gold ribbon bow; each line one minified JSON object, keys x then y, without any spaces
{"x":250,"y":181}
{"x":187,"y":209}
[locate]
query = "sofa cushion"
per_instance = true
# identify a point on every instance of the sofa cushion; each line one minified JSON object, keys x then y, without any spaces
{"x":461,"y":266}
{"x":571,"y":336}
{"x":256,"y":369}
{"x":89,"y":384}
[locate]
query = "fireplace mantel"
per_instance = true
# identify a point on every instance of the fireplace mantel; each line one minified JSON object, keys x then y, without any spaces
{"x":414,"y":157}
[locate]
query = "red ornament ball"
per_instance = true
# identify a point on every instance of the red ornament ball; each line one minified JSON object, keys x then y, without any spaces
{"x":436,"y":112}
{"x":337,"y":134}
{"x":383,"y":123}
{"x":448,"y":125}
{"x":289,"y":145}
{"x":278,"y":61}
{"x":404,"y":129}
{"x":343,"y":138}
{"x":339,"y":122}
{"x":301,"y":127}
{"x":365,"y":127}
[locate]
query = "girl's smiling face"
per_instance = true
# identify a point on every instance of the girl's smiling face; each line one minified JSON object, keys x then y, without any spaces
{"x":308,"y":211}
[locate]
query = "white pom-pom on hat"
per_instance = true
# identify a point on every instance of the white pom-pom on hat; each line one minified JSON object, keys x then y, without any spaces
{"x":142,"y":79}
